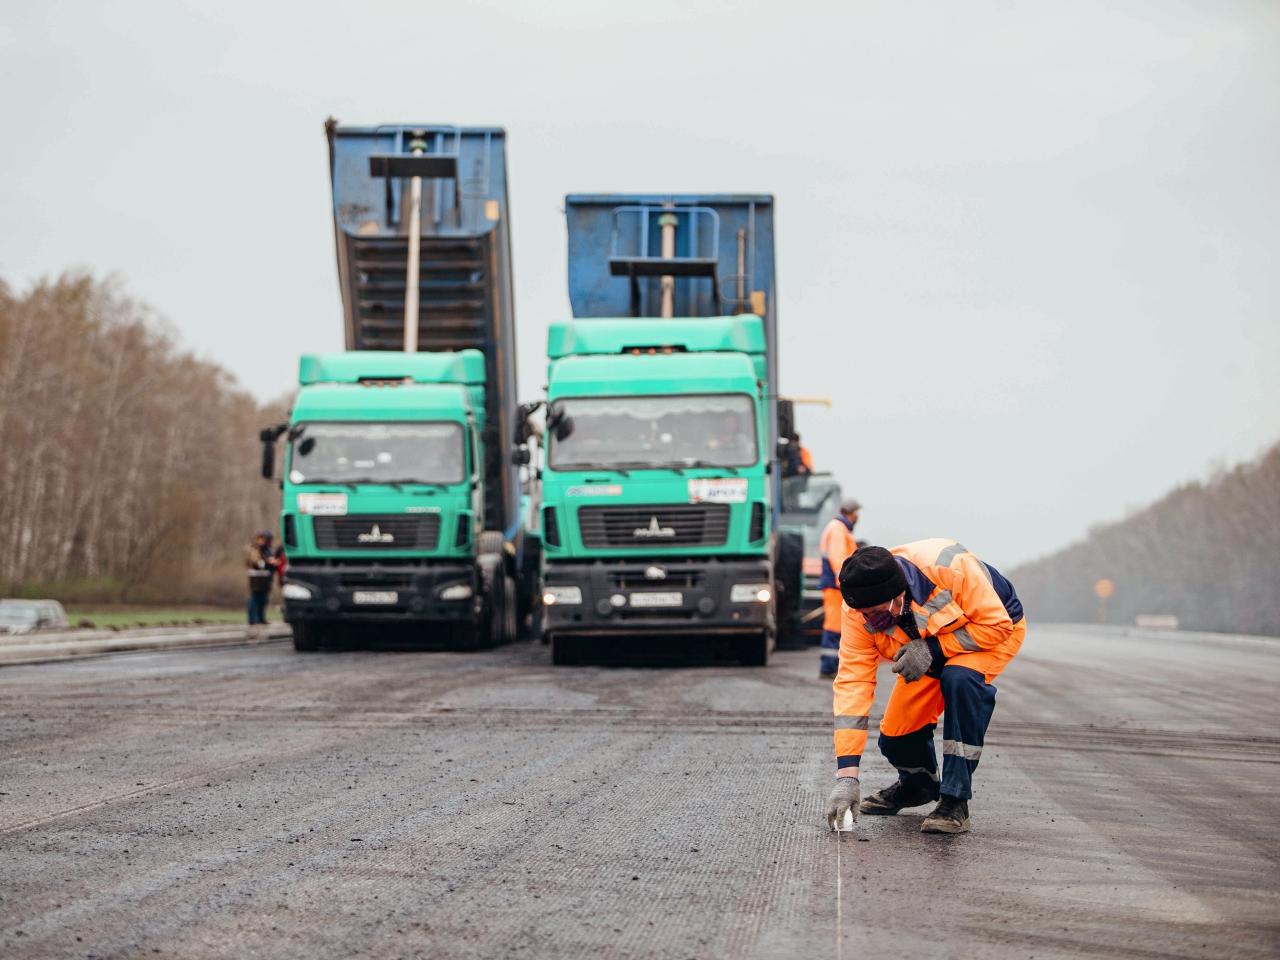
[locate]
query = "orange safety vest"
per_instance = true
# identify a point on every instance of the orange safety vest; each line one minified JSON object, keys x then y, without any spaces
{"x":836,"y":545}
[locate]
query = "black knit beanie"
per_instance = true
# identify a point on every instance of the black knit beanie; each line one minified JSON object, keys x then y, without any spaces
{"x":871,"y":576}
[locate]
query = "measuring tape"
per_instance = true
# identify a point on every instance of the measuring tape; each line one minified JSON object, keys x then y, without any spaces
{"x":846,"y":826}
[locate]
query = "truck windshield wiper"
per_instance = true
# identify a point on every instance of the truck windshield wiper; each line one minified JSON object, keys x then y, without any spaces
{"x":707,"y":464}
{"x":397,"y":482}
{"x":321,"y":481}
{"x":608,"y":467}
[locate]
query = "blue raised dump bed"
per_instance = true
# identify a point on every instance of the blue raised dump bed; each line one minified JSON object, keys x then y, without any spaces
{"x":464,"y":282}
{"x":723,"y":263}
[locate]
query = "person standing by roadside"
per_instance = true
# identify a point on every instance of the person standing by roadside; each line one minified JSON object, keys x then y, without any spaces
{"x":261,"y":562}
{"x":836,"y":545}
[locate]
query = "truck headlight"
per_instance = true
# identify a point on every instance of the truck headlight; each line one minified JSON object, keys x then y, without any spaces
{"x":295,"y":591}
{"x":564,"y":595}
{"x":457,"y":591}
{"x":750,"y":593}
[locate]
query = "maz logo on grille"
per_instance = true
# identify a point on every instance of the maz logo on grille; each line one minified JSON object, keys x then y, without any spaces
{"x":376,"y":536}
{"x":653,"y":531}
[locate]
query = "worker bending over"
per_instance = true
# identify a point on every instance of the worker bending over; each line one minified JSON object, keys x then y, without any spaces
{"x":950,"y":623}
{"x":835,"y":545}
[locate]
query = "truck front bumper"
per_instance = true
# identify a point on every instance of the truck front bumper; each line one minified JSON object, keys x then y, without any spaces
{"x":372,"y":592}
{"x":697,"y":597}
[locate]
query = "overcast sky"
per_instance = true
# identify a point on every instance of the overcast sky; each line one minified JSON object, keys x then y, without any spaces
{"x":1031,"y":250}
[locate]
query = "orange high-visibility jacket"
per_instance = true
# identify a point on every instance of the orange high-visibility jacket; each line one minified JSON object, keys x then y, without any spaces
{"x":966,"y":604}
{"x":835,"y":545}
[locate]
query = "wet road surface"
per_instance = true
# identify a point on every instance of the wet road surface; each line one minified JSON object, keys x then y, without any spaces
{"x":257,"y":802}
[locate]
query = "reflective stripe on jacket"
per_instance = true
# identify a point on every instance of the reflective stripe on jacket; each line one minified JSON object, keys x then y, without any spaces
{"x":966,"y":604}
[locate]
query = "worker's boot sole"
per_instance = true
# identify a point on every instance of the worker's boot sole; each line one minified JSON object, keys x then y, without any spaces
{"x":873,"y":808}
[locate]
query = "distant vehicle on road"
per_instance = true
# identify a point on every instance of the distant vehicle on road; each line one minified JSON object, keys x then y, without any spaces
{"x":808,"y":502}
{"x":28,"y":616}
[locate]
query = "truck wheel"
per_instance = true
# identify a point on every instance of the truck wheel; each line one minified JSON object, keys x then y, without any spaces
{"x":528,"y":585}
{"x":788,"y":581}
{"x":490,"y":626}
{"x":306,"y":638}
{"x":510,"y":618}
{"x":754,"y":651}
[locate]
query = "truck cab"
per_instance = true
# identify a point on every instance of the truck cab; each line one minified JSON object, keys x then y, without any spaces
{"x":655,"y":494}
{"x":383,"y":494}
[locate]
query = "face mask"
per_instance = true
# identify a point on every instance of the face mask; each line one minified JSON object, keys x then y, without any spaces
{"x":882,"y":620}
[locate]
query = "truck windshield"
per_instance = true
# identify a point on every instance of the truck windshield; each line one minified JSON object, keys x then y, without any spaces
{"x":706,"y":430}
{"x":377,"y":453}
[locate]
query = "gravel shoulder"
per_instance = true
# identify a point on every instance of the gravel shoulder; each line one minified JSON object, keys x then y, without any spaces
{"x":249,"y":801}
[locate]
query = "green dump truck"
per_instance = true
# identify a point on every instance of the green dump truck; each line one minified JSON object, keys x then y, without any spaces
{"x":401,"y":473}
{"x":660,"y":494}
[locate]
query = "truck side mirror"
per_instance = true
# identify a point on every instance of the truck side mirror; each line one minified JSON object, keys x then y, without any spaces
{"x":562,"y":429}
{"x":524,"y":428}
{"x":268,"y":436}
{"x":268,"y":459}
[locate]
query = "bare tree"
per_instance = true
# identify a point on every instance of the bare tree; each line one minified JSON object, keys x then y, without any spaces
{"x":127,"y":464}
{"x":1205,"y":553}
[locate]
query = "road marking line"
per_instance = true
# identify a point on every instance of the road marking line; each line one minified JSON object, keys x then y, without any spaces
{"x":839,"y":898}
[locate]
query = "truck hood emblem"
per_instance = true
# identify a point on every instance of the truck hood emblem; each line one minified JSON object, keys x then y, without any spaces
{"x":654,"y":531}
{"x":376,"y":536}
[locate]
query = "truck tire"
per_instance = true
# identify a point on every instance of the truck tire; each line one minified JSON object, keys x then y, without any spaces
{"x":489,"y":628}
{"x":510,"y":612}
{"x":306,"y":636}
{"x":754,"y":651}
{"x":529,"y":584}
{"x":788,"y":580}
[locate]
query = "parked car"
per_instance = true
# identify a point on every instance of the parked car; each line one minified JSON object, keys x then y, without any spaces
{"x":27,"y":616}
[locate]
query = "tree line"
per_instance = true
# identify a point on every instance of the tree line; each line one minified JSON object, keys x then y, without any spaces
{"x":128,"y":467}
{"x":1206,"y":553}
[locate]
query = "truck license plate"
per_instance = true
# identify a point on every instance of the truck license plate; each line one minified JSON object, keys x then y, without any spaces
{"x":375,"y":596}
{"x":657,"y":599}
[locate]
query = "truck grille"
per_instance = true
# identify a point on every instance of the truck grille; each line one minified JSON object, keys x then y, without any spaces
{"x":372,"y":532}
{"x":658,"y":526}
{"x":633,"y":578}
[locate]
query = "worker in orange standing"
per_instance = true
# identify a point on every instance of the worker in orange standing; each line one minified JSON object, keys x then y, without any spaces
{"x":951,"y":624}
{"x":806,"y":457}
{"x":835,"y":545}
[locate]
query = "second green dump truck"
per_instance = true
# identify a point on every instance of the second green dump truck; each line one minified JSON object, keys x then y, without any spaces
{"x":660,"y":490}
{"x":401,"y":478}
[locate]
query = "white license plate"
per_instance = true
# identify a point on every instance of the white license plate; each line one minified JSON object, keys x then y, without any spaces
{"x":375,"y":596}
{"x":657,"y":599}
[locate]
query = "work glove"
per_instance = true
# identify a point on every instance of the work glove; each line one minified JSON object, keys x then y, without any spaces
{"x":844,"y":797}
{"x":913,"y":660}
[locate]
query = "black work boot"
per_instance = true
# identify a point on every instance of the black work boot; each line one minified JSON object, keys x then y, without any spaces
{"x":949,"y":816}
{"x":896,"y":796}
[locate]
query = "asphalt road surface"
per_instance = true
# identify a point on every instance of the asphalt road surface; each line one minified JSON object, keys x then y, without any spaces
{"x":254,"y":802}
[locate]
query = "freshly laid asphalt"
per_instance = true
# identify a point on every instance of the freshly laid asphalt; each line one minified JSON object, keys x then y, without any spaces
{"x":254,"y":802}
